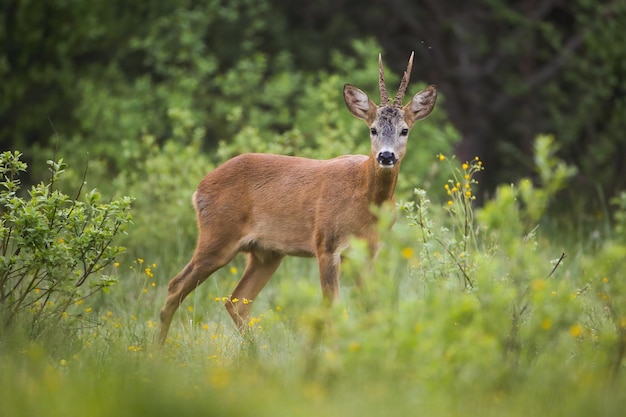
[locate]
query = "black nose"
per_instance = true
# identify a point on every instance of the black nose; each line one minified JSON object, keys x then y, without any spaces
{"x":387,"y":158}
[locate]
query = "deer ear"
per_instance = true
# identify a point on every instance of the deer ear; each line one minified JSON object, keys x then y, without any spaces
{"x":359,"y":104}
{"x":421,"y":105}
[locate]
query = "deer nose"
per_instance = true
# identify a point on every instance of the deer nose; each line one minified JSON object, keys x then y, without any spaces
{"x":387,"y":159}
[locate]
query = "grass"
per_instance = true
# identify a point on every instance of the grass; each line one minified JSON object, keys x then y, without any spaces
{"x":463,"y":313}
{"x":428,"y":345}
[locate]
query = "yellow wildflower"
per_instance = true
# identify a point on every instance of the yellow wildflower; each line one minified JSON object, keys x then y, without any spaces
{"x":576,"y":330}
{"x":407,"y":253}
{"x":538,"y":284}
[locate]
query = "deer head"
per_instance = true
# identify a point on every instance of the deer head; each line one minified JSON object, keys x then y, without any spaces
{"x":390,"y":124}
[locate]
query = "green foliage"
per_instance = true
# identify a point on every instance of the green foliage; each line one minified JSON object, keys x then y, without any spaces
{"x":514,"y":305}
{"x":607,"y":322}
{"x":620,"y":216}
{"x":586,"y":107}
{"x":55,"y":250}
{"x":448,"y":251}
{"x":163,"y":181}
{"x":553,"y":175}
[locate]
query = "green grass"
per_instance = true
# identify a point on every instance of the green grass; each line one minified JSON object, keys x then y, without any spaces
{"x":408,"y":343}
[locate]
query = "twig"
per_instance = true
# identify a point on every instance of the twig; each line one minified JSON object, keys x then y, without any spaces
{"x":556,"y":265}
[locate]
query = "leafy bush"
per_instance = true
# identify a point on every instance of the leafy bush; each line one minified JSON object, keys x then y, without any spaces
{"x":55,"y":249}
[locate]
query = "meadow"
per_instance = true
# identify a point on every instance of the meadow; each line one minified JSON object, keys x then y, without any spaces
{"x":488,"y":311}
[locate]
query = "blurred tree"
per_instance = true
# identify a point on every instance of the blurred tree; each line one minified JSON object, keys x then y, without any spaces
{"x":510,"y":70}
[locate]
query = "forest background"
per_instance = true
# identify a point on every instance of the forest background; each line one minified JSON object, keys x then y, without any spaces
{"x":100,"y":75}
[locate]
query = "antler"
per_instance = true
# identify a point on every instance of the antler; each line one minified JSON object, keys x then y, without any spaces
{"x":384,"y":96}
{"x":397,"y":102}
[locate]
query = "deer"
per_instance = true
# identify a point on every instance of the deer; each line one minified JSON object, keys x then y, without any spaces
{"x":271,"y":206}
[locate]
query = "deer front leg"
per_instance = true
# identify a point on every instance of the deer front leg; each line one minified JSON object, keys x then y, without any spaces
{"x":329,"y":264}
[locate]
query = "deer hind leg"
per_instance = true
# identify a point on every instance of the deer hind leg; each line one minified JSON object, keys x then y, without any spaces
{"x":259,"y":269}
{"x":201,"y":266}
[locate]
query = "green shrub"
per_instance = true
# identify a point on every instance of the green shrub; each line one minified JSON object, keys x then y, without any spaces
{"x":55,"y":249}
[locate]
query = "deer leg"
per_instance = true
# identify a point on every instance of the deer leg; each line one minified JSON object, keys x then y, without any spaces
{"x":373,"y":246}
{"x":259,"y":269}
{"x":197,"y":271}
{"x":329,"y":275}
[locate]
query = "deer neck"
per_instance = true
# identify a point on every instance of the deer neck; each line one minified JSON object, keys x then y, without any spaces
{"x":380,"y":183}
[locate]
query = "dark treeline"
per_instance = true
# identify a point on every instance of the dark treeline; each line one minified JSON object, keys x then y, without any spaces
{"x":508,"y":70}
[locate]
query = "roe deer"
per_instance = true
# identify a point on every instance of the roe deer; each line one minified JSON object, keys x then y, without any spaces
{"x":270,"y":206}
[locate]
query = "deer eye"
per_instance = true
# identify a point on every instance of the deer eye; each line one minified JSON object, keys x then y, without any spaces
{"x":404,"y":132}
{"x":373,"y":131}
